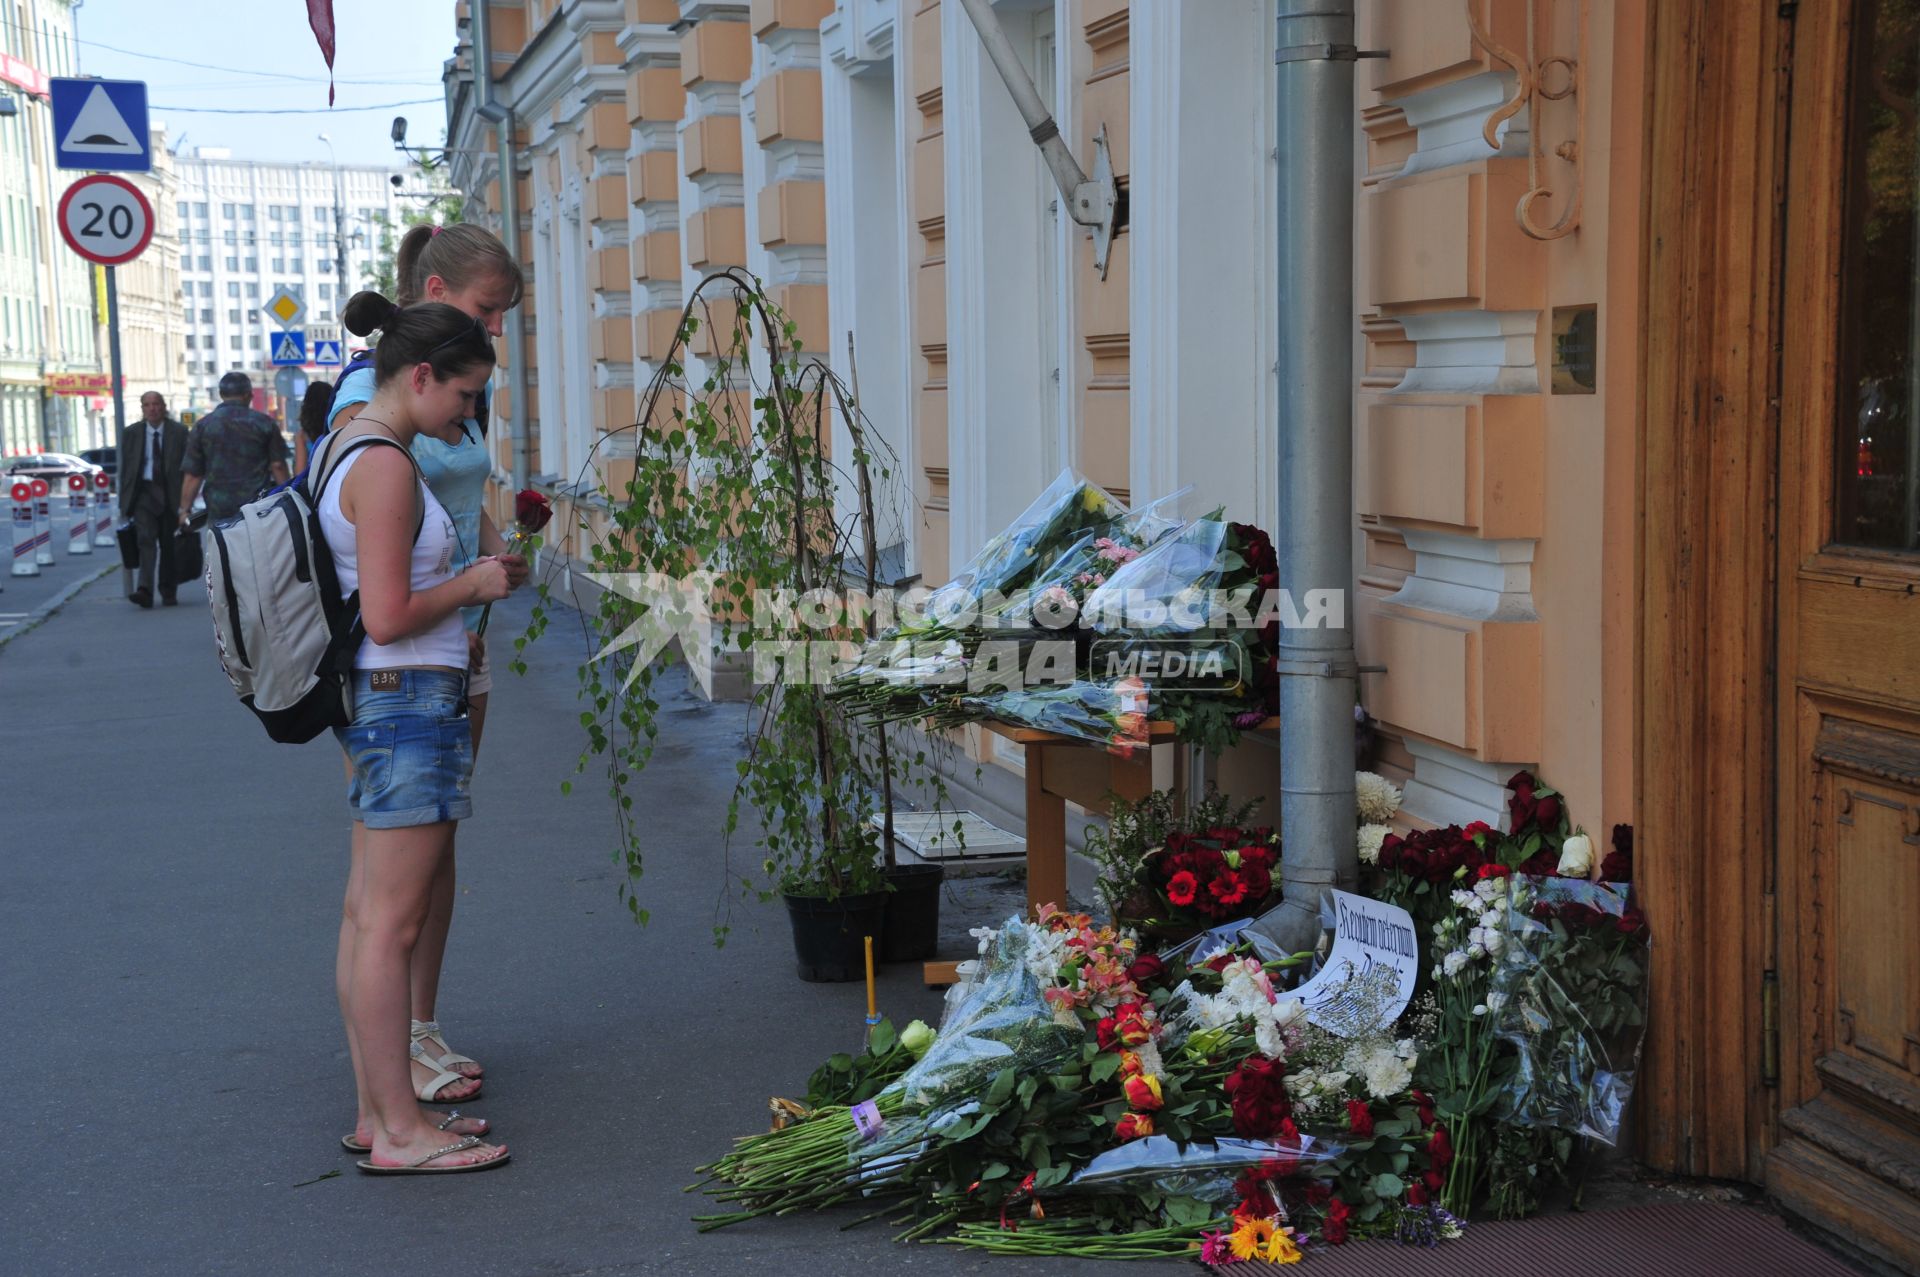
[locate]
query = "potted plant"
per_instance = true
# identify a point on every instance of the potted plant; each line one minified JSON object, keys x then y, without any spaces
{"x":732,"y":498}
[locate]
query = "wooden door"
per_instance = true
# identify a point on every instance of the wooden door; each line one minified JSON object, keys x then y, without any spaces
{"x":1848,"y":639}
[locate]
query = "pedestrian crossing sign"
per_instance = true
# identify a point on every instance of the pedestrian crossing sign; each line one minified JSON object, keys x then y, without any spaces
{"x":327,"y":353}
{"x":289,"y":349}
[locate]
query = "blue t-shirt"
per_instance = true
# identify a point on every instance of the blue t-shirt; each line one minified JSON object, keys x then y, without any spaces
{"x":456,"y":474}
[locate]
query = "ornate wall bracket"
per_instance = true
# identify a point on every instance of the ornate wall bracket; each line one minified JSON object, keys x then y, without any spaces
{"x":1554,"y":77}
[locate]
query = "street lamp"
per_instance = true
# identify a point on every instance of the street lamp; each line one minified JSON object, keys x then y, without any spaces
{"x":339,"y":233}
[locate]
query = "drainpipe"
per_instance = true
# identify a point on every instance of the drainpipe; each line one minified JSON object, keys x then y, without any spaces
{"x":1315,"y":544}
{"x":501,"y":117}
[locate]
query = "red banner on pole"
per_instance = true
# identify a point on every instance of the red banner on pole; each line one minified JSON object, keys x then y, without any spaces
{"x":320,"y":18}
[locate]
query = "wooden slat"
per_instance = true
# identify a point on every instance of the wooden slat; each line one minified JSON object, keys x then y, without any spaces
{"x":1704,"y":831}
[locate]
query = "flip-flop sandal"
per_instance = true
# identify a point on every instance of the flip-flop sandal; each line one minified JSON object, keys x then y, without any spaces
{"x":353,"y":1145}
{"x":424,"y":1029}
{"x":420,"y":1167}
{"x":429,"y":1091}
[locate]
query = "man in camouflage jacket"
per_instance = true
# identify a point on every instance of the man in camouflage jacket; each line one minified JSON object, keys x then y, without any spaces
{"x":235,"y":452}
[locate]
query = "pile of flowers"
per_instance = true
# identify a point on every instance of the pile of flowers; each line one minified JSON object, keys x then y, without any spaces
{"x":1537,"y":967}
{"x":1084,"y":1098}
{"x":1051,"y":624}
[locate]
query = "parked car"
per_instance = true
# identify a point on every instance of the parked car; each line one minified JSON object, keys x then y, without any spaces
{"x":54,"y":467}
{"x":107,"y":459}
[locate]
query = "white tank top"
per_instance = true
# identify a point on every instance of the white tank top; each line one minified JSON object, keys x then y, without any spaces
{"x":433,"y":559}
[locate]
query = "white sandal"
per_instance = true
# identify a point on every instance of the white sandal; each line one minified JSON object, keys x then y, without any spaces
{"x":447,"y":1058}
{"x":429,"y":1090}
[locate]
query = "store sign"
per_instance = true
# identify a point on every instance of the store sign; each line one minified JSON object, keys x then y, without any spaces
{"x":23,"y":76}
{"x":80,"y":383}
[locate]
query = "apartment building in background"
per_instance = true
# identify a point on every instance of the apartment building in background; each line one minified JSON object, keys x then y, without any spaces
{"x":248,"y":227}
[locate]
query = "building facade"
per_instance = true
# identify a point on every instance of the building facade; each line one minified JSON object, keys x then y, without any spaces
{"x":1637,"y":498}
{"x":153,"y":322}
{"x":51,"y":321}
{"x":248,"y":227}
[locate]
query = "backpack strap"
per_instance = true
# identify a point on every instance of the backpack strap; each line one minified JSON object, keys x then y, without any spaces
{"x":331,"y":466}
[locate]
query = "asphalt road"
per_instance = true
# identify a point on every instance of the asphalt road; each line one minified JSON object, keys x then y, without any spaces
{"x":174,"y":1076}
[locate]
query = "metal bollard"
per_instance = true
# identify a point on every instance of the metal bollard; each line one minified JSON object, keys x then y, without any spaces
{"x":103,"y":510}
{"x":79,"y":522}
{"x":23,"y":529}
{"x":42,"y":524}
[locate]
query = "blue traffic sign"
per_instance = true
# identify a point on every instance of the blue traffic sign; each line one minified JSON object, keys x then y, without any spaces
{"x":101,"y":124}
{"x":289,"y":349}
{"x":327,"y":353}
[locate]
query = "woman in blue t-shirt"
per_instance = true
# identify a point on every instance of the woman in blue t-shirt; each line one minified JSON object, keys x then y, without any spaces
{"x":468,"y":268}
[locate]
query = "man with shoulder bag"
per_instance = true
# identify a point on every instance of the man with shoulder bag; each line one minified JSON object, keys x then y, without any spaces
{"x":152,"y":455}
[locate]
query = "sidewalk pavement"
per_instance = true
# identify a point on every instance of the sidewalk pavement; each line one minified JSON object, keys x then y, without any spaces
{"x":174,"y":1068}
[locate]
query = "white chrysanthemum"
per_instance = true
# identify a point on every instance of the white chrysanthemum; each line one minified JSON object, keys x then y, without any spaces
{"x":1268,"y":1037}
{"x":1371,"y":836}
{"x":1387,"y":1074}
{"x":1288,"y":1012}
{"x":1375,"y":797}
{"x":1150,"y":1060}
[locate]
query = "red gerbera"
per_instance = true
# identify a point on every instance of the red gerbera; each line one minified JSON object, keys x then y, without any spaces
{"x":1228,"y":888}
{"x":1181,"y":888}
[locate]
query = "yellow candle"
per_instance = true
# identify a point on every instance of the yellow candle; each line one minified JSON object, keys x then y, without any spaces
{"x":871,"y":1011}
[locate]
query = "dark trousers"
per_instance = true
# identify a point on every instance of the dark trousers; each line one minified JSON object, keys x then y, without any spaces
{"x":153,"y":523}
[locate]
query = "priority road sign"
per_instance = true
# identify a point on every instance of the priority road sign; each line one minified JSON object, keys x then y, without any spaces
{"x":106,"y":219}
{"x":100,"y":124}
{"x":285,"y":307}
{"x":289,"y":349}
{"x":327,"y":353}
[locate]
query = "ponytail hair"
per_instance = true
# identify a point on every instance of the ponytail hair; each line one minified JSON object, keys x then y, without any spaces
{"x":316,"y":410}
{"x":450,"y":340}
{"x":461,"y":254}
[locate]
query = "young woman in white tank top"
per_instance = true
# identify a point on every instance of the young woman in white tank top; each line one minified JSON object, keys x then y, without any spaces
{"x":410,"y":742}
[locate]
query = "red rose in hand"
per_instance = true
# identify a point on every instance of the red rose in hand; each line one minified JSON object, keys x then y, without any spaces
{"x":1181,"y":888}
{"x":531,"y":511}
{"x":1359,"y":1120}
{"x":1146,"y":969}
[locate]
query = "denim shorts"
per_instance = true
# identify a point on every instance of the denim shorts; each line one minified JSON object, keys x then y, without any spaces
{"x":411,"y":749}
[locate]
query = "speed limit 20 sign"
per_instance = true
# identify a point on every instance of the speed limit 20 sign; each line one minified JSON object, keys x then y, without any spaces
{"x":106,"y":219}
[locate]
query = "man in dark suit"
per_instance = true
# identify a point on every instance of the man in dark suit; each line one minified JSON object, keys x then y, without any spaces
{"x":151,"y":455}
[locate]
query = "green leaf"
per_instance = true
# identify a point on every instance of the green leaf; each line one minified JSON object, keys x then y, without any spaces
{"x":881,"y":1040}
{"x":1103,"y":1068}
{"x":1386,"y":1185}
{"x":1002,"y":1089}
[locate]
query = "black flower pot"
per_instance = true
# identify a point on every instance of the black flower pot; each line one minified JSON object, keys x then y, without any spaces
{"x":829,"y":936}
{"x":913,"y":913}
